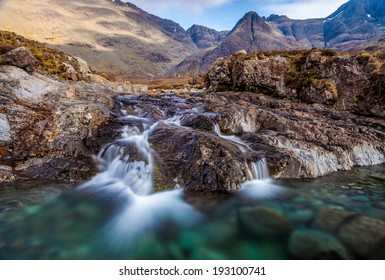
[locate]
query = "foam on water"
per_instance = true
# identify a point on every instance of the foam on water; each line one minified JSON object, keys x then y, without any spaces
{"x":130,"y":181}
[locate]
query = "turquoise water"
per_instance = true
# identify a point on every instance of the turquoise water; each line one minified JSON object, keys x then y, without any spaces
{"x":339,"y":216}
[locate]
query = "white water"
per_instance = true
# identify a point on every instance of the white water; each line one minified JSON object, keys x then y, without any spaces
{"x":259,"y":185}
{"x":243,"y":147}
{"x":130,"y":181}
{"x":256,"y":170}
{"x":127,"y":168}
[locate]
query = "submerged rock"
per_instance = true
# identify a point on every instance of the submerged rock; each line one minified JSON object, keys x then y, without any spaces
{"x":265,"y":222}
{"x":364,"y":236}
{"x":316,"y":245}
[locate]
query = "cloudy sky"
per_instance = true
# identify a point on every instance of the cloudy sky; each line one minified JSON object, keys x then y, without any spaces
{"x":224,"y":14}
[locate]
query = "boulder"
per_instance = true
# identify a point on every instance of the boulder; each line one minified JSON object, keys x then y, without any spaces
{"x":20,"y":57}
{"x":316,"y":245}
{"x":349,"y":227}
{"x":200,"y":160}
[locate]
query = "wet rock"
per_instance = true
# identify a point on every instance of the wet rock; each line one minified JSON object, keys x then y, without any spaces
{"x":20,"y":57}
{"x":365,"y":236}
{"x":200,"y":160}
{"x":330,"y":219}
{"x":198,"y":121}
{"x":56,"y":127}
{"x":265,"y":221}
{"x":314,"y":244}
{"x":349,"y":228}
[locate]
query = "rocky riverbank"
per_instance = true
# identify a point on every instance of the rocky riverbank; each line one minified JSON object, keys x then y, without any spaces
{"x":50,"y":128}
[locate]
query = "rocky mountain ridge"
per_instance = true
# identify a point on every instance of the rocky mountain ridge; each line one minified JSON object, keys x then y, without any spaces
{"x":353,"y":23}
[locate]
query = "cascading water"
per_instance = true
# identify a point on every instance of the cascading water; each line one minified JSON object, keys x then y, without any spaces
{"x":256,"y":170}
{"x":128,"y":178}
{"x":259,"y":184}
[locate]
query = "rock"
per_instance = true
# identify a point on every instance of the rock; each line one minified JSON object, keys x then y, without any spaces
{"x":301,"y":141}
{"x":349,"y":228}
{"x":119,"y":87}
{"x":314,"y":244}
{"x":265,"y":222}
{"x":329,"y":219}
{"x":198,"y":121}
{"x":366,"y":245}
{"x":20,"y":57}
{"x":346,"y":82}
{"x":5,"y":129}
{"x":265,"y":76}
{"x":201,"y":161}
{"x":52,"y":129}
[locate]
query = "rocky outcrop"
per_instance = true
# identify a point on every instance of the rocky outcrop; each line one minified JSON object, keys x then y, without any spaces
{"x":314,"y":128}
{"x":51,"y":129}
{"x":345,"y":82}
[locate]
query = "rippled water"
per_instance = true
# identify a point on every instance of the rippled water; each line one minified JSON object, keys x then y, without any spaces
{"x":338,"y":216}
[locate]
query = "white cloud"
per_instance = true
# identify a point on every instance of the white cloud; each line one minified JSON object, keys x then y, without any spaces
{"x":302,"y":9}
{"x":196,"y":6}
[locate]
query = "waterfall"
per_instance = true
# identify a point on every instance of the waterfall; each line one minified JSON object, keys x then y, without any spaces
{"x":127,"y":167}
{"x":243,"y":147}
{"x":256,"y":170}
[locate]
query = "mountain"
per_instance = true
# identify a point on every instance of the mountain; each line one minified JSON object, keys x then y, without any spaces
{"x":111,"y":36}
{"x":351,"y":26}
{"x":205,"y":37}
{"x":117,"y":37}
{"x":354,"y":22}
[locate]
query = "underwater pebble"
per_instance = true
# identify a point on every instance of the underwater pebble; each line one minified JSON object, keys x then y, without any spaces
{"x":359,"y":198}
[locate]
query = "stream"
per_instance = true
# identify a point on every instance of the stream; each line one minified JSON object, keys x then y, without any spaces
{"x":118,"y":215}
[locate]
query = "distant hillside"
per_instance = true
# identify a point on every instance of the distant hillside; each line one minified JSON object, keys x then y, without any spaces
{"x":111,"y":36}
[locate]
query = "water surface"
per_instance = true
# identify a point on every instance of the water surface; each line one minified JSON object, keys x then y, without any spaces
{"x":341,"y":215}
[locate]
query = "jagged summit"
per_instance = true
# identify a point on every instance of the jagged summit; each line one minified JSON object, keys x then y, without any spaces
{"x":205,"y":37}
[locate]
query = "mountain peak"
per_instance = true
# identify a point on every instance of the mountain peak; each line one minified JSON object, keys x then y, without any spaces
{"x":255,"y":21}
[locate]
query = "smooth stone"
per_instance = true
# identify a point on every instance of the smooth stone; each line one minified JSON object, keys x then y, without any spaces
{"x":359,"y":198}
{"x":301,"y":216}
{"x":328,"y":219}
{"x":265,"y":221}
{"x":314,"y":244}
{"x":363,"y":235}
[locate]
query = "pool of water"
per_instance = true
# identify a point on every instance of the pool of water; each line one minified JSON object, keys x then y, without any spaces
{"x":339,"y":216}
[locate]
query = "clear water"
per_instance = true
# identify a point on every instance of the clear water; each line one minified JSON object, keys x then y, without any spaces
{"x":258,"y":222}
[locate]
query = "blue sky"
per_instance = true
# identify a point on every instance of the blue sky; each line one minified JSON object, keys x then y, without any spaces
{"x":224,"y":14}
